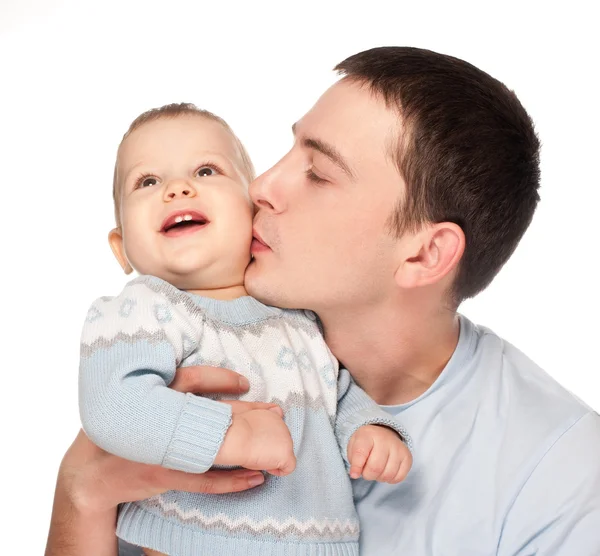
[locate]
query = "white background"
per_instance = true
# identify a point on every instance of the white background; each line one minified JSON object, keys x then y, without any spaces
{"x":74,"y":74}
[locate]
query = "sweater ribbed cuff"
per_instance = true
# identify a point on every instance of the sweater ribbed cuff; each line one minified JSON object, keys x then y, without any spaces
{"x":202,"y":426}
{"x":361,"y":411}
{"x":366,"y":417}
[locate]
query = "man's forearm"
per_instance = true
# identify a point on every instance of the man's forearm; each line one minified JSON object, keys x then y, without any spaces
{"x":74,"y":532}
{"x":92,"y":483}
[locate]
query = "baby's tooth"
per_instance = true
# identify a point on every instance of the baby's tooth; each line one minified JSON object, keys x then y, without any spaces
{"x":178,"y":219}
{"x":187,"y":217}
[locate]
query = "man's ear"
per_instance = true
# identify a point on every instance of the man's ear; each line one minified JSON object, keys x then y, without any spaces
{"x":115,"y":240}
{"x":431,"y":255}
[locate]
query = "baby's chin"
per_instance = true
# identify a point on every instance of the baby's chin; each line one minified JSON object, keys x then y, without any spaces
{"x":186,"y":280}
{"x":202,"y":280}
{"x":204,"y":273}
{"x":181,"y":277}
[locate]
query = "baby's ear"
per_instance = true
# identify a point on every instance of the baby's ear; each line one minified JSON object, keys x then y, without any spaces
{"x":115,"y":240}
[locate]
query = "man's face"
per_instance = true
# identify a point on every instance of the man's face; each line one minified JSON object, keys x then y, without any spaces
{"x":322,"y":237}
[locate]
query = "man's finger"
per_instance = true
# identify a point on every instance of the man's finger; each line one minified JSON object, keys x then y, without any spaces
{"x":209,"y":380}
{"x":238,"y":407}
{"x":213,"y":482}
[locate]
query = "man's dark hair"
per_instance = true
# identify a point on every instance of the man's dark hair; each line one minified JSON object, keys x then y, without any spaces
{"x":468,"y":153}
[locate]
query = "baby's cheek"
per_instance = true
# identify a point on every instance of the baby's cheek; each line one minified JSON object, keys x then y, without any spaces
{"x":139,"y":252}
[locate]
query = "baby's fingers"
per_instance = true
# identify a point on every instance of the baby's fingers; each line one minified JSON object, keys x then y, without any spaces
{"x":359,"y":449}
{"x":398,"y":464}
{"x":285,"y":467}
{"x":376,"y":463}
{"x":405,"y":466}
{"x":392,"y":468}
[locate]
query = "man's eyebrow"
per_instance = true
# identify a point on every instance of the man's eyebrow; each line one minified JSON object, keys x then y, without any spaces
{"x":329,"y":151}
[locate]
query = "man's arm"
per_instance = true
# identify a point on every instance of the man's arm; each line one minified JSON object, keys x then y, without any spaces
{"x":74,"y":528}
{"x":91,"y":482}
{"x":557,"y":513}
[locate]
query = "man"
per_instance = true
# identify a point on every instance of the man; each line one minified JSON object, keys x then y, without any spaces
{"x":409,"y":185}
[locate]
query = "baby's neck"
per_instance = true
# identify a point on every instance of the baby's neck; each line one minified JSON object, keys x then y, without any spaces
{"x":227,"y":293}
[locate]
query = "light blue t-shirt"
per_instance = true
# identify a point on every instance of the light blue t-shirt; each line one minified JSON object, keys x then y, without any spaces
{"x":506,"y":463}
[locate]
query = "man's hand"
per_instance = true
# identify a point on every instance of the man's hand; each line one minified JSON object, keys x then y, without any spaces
{"x":91,"y":482}
{"x":98,"y":481}
{"x":258,"y":439}
{"x":378,"y":454}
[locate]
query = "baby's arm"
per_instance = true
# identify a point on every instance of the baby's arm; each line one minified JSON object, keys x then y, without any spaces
{"x":131,"y":346}
{"x":373,"y":443}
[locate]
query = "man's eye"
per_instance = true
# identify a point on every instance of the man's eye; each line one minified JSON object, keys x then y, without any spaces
{"x":147,"y":181}
{"x":313,"y":177}
{"x":206,"y":171}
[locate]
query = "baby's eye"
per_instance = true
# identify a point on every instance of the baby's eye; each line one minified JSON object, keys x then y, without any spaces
{"x":206,"y":171}
{"x":147,"y":181}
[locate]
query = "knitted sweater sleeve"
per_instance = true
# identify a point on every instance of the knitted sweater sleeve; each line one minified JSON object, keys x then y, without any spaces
{"x":131,"y":346}
{"x":356,"y":409}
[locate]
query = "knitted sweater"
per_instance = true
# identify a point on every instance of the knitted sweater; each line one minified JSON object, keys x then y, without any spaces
{"x":131,"y":346}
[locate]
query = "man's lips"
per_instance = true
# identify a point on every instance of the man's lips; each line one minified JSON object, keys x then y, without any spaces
{"x":258,"y":244}
{"x":183,"y":221}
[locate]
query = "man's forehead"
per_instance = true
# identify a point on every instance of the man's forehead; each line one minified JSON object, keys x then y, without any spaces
{"x":352,"y":118}
{"x":349,"y":105}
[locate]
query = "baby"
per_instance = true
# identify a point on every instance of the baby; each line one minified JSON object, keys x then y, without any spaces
{"x":184,"y":223}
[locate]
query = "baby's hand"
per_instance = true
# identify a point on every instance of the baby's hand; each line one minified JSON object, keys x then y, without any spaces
{"x":258,"y":439}
{"x":378,"y":454}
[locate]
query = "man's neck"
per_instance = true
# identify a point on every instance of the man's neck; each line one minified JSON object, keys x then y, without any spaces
{"x":394,"y":354}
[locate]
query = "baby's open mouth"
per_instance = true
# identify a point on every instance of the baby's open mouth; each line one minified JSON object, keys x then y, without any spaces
{"x":182,"y":222}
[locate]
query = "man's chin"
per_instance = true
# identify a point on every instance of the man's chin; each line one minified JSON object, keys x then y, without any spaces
{"x":256,"y":285}
{"x":260,"y":284}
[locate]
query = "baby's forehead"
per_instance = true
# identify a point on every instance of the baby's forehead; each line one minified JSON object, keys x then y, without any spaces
{"x":182,"y":140}
{"x":189,"y":131}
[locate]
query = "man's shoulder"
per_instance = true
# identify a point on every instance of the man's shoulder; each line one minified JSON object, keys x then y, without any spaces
{"x":528,"y":432}
{"x":534,"y":403}
{"x":529,"y":378}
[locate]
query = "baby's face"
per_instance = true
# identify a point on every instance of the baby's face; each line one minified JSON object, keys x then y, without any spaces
{"x":185,"y":212}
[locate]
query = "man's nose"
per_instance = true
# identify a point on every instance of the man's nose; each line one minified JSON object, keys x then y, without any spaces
{"x":266,"y":191}
{"x":178,"y":189}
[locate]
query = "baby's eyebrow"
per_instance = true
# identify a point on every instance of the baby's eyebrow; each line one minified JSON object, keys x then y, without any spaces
{"x":212,"y":154}
{"x":131,"y":170}
{"x":329,"y":151}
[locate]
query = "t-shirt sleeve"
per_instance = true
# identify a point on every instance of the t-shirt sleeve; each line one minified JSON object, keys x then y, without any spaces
{"x":131,"y":346}
{"x":557,"y":512}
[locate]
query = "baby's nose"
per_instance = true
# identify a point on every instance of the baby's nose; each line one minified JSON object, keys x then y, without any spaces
{"x":178,"y":189}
